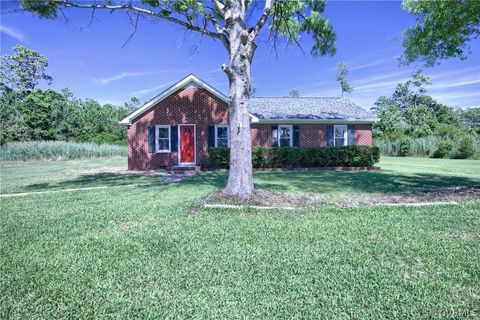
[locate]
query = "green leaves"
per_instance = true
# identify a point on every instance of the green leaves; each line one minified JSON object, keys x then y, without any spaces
{"x":292,"y":18}
{"x":342,"y":71}
{"x":44,"y":8}
{"x":443,"y":30}
{"x":23,"y":69}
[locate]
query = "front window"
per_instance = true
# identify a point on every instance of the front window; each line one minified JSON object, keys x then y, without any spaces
{"x":340,"y":132}
{"x":222,"y":137}
{"x":285,"y":136}
{"x":163,"y":138}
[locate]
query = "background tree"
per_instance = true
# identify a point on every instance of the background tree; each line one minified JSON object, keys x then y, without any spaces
{"x":294,"y":93}
{"x":236,"y":24}
{"x":23,"y":69}
{"x":471,"y":118}
{"x":342,"y":71}
{"x":443,"y":30}
{"x":409,"y":111}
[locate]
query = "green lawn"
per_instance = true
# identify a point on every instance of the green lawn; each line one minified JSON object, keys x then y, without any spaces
{"x":138,"y":252}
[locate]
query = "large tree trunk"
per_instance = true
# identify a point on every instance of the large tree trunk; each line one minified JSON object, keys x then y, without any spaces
{"x":240,"y":180}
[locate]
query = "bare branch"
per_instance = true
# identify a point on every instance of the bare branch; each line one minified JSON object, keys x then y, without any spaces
{"x":89,"y":24}
{"x":134,"y":31}
{"x":129,"y":6}
{"x":263,"y":19}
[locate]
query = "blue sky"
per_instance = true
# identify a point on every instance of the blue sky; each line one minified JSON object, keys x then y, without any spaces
{"x":90,"y":61}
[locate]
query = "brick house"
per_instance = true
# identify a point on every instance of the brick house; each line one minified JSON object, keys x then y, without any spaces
{"x":178,"y":126}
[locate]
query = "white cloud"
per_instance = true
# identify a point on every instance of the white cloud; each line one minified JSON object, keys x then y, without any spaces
{"x":128,"y":74}
{"x":120,"y":76}
{"x":143,"y":92}
{"x":374,"y":63}
{"x":12,"y":33}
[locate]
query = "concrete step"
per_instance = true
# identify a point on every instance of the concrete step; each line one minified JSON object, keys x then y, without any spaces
{"x":184,"y":169}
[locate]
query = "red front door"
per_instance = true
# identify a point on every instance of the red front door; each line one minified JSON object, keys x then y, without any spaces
{"x":187,"y":144}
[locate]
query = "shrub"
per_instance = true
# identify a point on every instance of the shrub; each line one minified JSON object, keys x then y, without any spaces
{"x":348,"y":156}
{"x":465,"y":148}
{"x":444,"y":148}
{"x":58,"y":150}
{"x":405,"y":147}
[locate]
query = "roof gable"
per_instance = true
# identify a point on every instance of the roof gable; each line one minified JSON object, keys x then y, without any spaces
{"x":188,"y":81}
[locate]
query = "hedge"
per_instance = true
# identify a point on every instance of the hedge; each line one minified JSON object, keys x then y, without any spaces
{"x":347,"y":156}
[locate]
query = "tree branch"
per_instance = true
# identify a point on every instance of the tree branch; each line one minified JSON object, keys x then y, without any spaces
{"x":263,"y":19}
{"x":138,"y":10}
{"x":220,"y":7}
{"x":227,"y":71}
{"x":134,"y":30}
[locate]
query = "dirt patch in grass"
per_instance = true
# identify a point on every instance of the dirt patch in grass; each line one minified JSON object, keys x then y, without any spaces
{"x":126,"y":225}
{"x":457,"y":194}
{"x":277,"y":200}
{"x":260,"y":198}
{"x":458,"y":235}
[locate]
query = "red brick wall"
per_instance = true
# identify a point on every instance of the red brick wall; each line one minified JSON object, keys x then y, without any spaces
{"x":261,"y":134}
{"x":199,"y":107}
{"x":186,"y":106}
{"x":363,"y":134}
{"x":313,"y":135}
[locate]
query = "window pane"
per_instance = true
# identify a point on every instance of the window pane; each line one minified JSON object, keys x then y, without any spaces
{"x":285,"y":142}
{"x":222,"y":143}
{"x":339,"y":131}
{"x":163,"y":144}
{"x":222,"y":132}
{"x":163,"y":133}
{"x":339,"y":141}
{"x":284,"y":133}
{"x":274,"y":137}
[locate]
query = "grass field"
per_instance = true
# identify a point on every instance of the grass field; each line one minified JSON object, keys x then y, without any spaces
{"x":139,"y":252}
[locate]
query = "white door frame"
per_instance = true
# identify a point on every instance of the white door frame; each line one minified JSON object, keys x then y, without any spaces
{"x":194,"y":144}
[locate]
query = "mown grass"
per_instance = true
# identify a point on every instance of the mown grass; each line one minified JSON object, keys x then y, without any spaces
{"x":140,"y":253}
{"x":396,"y":175}
{"x":58,"y":150}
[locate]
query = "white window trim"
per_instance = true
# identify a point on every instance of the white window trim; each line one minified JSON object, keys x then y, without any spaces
{"x":228,"y":134}
{"x":345,"y":134}
{"x":291,"y":134}
{"x":157,"y":137}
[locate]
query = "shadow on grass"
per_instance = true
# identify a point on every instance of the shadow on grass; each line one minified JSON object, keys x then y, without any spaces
{"x":384,"y":181}
{"x":104,"y":179}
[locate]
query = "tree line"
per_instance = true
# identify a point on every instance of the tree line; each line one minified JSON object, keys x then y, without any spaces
{"x":28,"y":113}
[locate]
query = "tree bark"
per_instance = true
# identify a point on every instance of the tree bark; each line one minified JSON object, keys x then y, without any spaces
{"x":241,"y":49}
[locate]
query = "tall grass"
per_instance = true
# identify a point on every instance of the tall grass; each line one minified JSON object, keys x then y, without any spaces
{"x":58,"y":150}
{"x":419,"y":147}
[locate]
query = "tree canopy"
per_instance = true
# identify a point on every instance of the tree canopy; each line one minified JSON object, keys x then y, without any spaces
{"x":294,"y":93}
{"x":30,"y":113}
{"x":342,"y":71}
{"x":444,"y":29}
{"x":411,"y":112}
{"x":23,"y":69}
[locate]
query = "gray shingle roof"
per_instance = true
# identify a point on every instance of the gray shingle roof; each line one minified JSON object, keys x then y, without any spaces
{"x":307,"y":108}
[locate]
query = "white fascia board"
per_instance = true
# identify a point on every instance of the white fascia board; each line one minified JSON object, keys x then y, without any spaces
{"x":184,"y":83}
